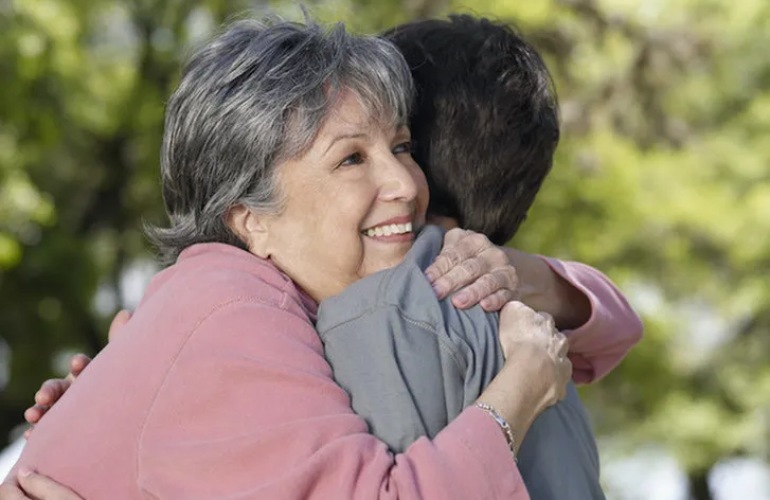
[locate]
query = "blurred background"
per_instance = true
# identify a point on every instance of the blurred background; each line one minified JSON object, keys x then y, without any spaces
{"x":662,"y":180}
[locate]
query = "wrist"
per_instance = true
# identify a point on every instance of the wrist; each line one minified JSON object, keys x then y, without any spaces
{"x":510,"y":438}
{"x":513,"y":398}
{"x":535,"y":279}
{"x":544,"y":290}
{"x":574,"y":306}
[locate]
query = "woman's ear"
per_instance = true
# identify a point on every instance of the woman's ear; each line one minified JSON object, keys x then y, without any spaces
{"x":250,"y":228}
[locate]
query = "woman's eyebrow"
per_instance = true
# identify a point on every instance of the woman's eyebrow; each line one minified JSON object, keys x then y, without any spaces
{"x":357,"y":135}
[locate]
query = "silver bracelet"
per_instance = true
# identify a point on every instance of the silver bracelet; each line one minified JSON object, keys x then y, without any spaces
{"x":506,"y":428}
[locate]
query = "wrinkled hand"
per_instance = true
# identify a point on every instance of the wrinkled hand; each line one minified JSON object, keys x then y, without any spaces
{"x":535,"y":343}
{"x":481,"y":271}
{"x":31,"y":485}
{"x":53,"y":389}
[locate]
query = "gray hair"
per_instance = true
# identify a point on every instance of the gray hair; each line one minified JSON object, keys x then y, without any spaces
{"x":253,"y":97}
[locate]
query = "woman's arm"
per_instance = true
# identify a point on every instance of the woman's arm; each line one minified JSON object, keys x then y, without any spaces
{"x":255,"y":413}
{"x":267,"y":420}
{"x":29,"y":484}
{"x":599,"y":344}
{"x":584,"y":303}
{"x":586,"y":306}
{"x":492,"y":281}
{"x":544,"y":290}
{"x":475,"y":435}
{"x":51,"y":390}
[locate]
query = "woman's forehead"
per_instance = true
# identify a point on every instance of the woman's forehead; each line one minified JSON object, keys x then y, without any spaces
{"x":350,"y":113}
{"x":347,"y":114}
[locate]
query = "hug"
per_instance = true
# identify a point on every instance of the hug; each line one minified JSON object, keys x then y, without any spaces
{"x":325,"y":328}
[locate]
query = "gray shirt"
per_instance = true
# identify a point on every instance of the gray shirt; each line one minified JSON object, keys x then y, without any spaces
{"x":412,"y":363}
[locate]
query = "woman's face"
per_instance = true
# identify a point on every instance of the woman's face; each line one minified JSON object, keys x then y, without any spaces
{"x":352,"y":203}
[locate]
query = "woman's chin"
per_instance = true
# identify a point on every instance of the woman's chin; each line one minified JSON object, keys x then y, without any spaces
{"x":386,"y":256}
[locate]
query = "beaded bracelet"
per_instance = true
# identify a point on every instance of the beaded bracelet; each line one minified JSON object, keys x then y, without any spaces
{"x":492,"y":412}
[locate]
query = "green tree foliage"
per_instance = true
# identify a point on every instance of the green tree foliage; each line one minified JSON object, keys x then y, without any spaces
{"x":661,"y":180}
{"x":83,"y":86}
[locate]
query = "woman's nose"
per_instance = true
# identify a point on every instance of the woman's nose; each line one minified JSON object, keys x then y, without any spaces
{"x":399,"y":181}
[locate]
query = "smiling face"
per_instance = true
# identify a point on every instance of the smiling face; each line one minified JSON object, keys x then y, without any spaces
{"x":352,"y":202}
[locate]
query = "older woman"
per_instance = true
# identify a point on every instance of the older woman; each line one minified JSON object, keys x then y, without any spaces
{"x":285,"y":152}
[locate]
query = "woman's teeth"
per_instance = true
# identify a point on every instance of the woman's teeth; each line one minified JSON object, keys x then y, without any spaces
{"x":389,"y":229}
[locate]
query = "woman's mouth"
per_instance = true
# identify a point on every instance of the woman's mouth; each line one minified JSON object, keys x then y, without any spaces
{"x":389,"y":230}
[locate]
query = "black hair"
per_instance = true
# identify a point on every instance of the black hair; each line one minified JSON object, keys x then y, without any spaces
{"x":485,"y":121}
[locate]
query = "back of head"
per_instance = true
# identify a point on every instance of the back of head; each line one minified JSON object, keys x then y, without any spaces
{"x":485,"y":121}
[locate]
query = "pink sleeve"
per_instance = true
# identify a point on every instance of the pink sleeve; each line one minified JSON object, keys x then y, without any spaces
{"x":250,"y":410}
{"x":603,"y":341}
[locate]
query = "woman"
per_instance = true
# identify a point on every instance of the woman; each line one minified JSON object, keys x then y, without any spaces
{"x":285,"y":153}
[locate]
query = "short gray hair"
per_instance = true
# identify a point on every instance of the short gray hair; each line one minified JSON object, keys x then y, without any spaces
{"x":252,"y":97}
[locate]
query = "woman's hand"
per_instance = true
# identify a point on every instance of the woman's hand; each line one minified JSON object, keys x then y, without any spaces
{"x":53,"y":389}
{"x":531,"y":340}
{"x":31,"y":485}
{"x":481,"y":271}
{"x":536,"y":369}
{"x":544,"y":290}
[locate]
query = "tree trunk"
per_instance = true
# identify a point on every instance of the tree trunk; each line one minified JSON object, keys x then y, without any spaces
{"x":699,"y":485}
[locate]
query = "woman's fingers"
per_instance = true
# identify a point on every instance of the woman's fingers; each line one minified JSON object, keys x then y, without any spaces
{"x":48,"y":394}
{"x":78,"y":363}
{"x":470,"y":263}
{"x":451,"y":266}
{"x":562,"y":347}
{"x":51,"y":390}
{"x":565,"y":374}
{"x":492,"y":290}
{"x":532,"y":338}
{"x":548,"y":321}
{"x":42,"y":487}
{"x":564,"y":366}
{"x":11,"y":492}
{"x":485,"y":285}
{"x":118,"y":321}
{"x":34,"y":413}
{"x":497,"y":300}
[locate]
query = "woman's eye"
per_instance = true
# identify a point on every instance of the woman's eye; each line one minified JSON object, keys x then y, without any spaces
{"x":404,"y":147}
{"x":354,"y":159}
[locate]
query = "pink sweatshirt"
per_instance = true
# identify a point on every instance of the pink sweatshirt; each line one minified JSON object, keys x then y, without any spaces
{"x":220,"y":390}
{"x":613,"y":328}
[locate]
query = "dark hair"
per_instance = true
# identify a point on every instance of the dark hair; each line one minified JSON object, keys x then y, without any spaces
{"x":252,"y":97}
{"x":485,"y":121}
